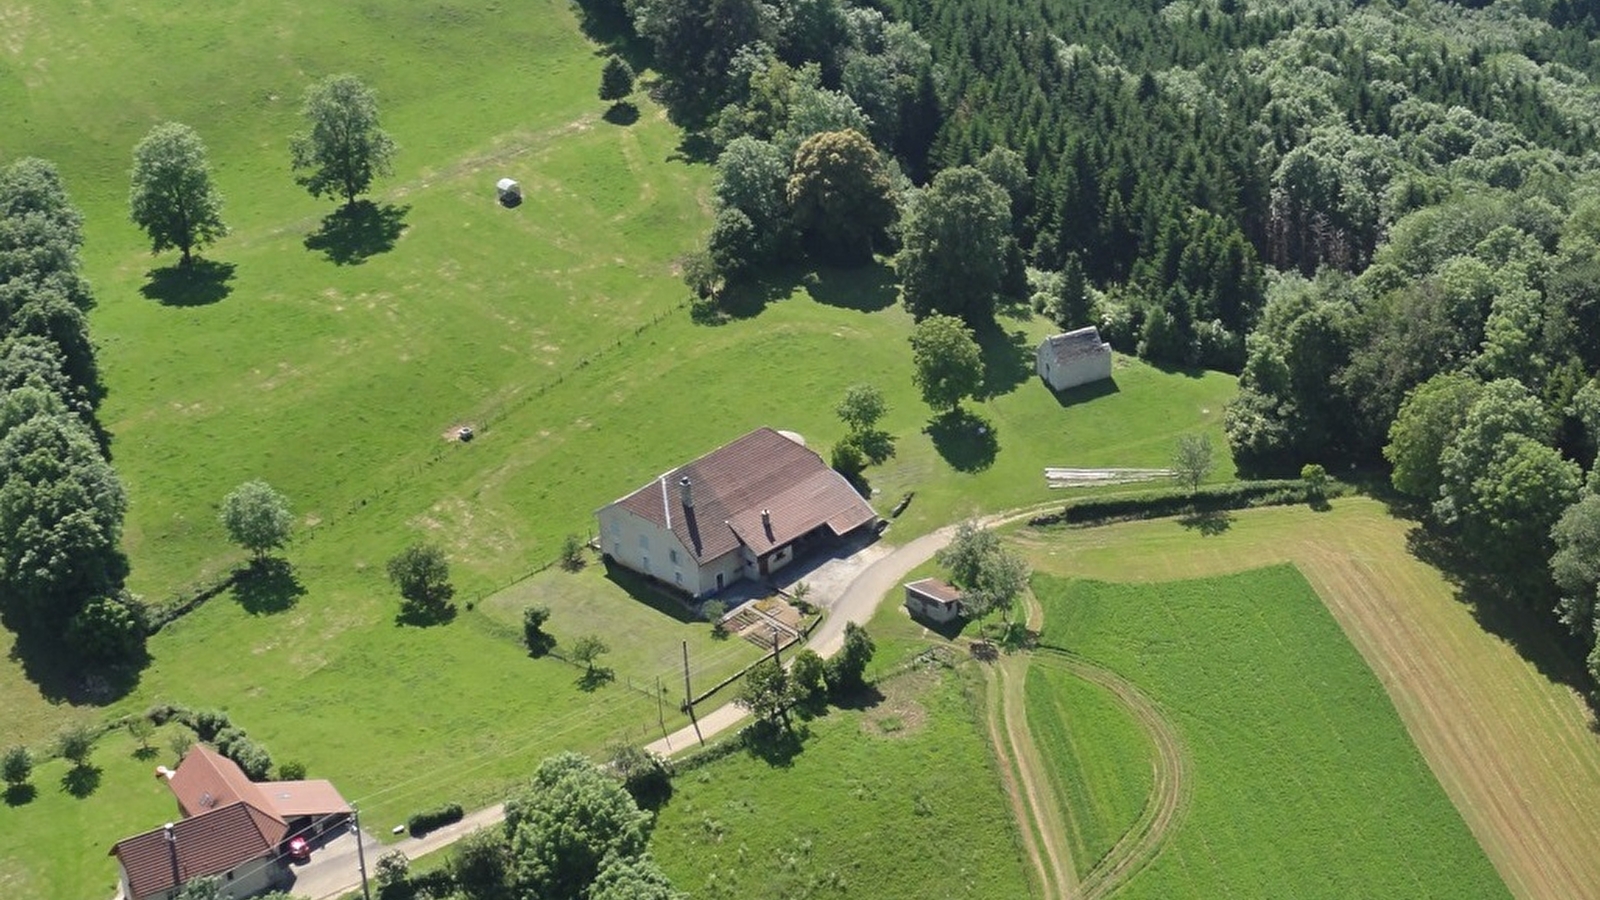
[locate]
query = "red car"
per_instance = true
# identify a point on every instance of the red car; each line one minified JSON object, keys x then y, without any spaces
{"x":298,"y":849}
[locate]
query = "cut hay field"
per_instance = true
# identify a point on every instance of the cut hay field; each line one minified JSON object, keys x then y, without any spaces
{"x":896,"y":800}
{"x":1302,"y":780}
{"x":1484,"y":697}
{"x":334,"y":369}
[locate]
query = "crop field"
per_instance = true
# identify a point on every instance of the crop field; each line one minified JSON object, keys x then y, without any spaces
{"x":1483,"y":696}
{"x":1293,"y":746}
{"x":896,"y":800}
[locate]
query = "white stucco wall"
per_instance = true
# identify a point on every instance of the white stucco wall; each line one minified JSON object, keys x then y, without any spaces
{"x":646,"y":547}
{"x":1082,"y":370}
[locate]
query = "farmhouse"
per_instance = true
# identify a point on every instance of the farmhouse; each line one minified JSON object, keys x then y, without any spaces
{"x":232,"y":828}
{"x":933,"y":600}
{"x":741,"y":511}
{"x":1077,"y":357}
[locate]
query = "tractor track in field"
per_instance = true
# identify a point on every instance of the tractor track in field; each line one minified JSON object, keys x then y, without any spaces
{"x":1170,"y":781}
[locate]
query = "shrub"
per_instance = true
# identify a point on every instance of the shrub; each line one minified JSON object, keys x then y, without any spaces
{"x":251,"y":757}
{"x":393,"y":875}
{"x":74,"y":743}
{"x":433,"y":819}
{"x":646,"y":776}
{"x":848,"y":459}
{"x":180,"y":743}
{"x":208,"y":723}
{"x":1316,"y":479}
{"x":291,"y":770}
{"x":572,"y":553}
{"x":533,"y":633}
{"x":16,"y":766}
{"x":806,"y":676}
{"x":109,"y":630}
{"x":713,"y":611}
{"x":162,"y":713}
{"x":1159,"y":504}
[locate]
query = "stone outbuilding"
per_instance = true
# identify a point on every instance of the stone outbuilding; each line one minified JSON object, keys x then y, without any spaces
{"x":1076,"y":357}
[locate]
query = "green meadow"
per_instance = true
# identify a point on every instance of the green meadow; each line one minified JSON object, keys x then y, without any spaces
{"x":1304,"y":782}
{"x":335,"y":365}
{"x":899,"y":799}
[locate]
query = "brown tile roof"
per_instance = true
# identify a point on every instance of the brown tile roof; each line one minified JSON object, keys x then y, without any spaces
{"x":934,"y":589}
{"x":291,"y":799}
{"x":206,"y":780}
{"x":1076,"y":344}
{"x":221,"y":839}
{"x":731,"y":485}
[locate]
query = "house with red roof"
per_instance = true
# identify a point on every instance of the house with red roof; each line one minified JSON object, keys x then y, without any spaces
{"x":744,"y":510}
{"x":231,"y":827}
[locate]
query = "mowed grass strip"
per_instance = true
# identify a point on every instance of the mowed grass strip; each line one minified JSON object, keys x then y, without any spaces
{"x":1485,"y":694}
{"x":1097,"y":759}
{"x":1305,"y":783}
{"x":897,"y":800}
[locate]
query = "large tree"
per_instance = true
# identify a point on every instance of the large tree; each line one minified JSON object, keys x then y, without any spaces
{"x":1576,"y":565}
{"x":566,"y":824}
{"x":1192,"y":461}
{"x":173,"y":198}
{"x":422,"y":575}
{"x":257,"y":517}
{"x":963,"y":557}
{"x":633,"y":879}
{"x":954,"y":254}
{"x":841,"y":196}
{"x":948,"y":363}
{"x":343,"y":148}
{"x":846,"y":670}
{"x":1002,"y":577}
{"x":765,"y":692}
{"x":1430,"y":416}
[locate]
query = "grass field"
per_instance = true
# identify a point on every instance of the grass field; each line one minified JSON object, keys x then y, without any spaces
{"x":334,"y":369}
{"x":1099,"y":761}
{"x":1294,"y":747}
{"x":1484,"y":696}
{"x":897,"y":800}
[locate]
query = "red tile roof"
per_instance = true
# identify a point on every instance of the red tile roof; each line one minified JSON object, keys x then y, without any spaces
{"x":732,"y":485}
{"x":221,"y":839}
{"x":291,"y":799}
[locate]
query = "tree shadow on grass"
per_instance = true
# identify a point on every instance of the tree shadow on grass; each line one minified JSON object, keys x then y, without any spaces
{"x":20,"y":794}
{"x":1506,"y":611}
{"x":267,"y":586}
{"x":1007,"y":359}
{"x":965,"y":440}
{"x":351,"y":234}
{"x":146,"y":753}
{"x":622,"y":113}
{"x":775,"y":745}
{"x":201,"y":283}
{"x":540,"y":646}
{"x":61,"y":677}
{"x":425,"y":615}
{"x":859,"y":700}
{"x":867,"y":289}
{"x":81,"y":781}
{"x":596,"y":678}
{"x":696,"y":147}
{"x":1209,"y":523}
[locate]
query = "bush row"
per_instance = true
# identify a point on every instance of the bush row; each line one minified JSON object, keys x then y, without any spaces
{"x":432,"y":819}
{"x":1208,"y":499}
{"x":185,"y":602}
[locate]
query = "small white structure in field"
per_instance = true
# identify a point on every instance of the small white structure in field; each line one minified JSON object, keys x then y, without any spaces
{"x":1077,"y":357}
{"x":509,"y":191}
{"x":933,"y":600}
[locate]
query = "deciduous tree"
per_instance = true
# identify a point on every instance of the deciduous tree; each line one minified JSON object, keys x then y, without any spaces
{"x":954,"y":252}
{"x":841,"y":196}
{"x":257,"y":517}
{"x":963,"y":557}
{"x":948,"y":364}
{"x":1192,"y":461}
{"x":173,"y":198}
{"x":343,"y":148}
{"x":422,"y":574}
{"x":765,"y":692}
{"x":845,"y":671}
{"x":1429,"y":418}
{"x":863,"y":405}
{"x":75,"y":742}
{"x":1575,"y":566}
{"x":633,"y":879}
{"x":587,"y":650}
{"x":566,"y":823}
{"x":16,"y":766}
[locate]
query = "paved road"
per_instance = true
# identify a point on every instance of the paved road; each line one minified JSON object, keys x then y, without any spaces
{"x":334,"y":869}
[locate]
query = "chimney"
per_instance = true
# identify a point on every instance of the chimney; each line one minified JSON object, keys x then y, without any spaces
{"x":164,"y":772}
{"x":172,"y":853}
{"x":766,"y":519}
{"x":686,"y":491}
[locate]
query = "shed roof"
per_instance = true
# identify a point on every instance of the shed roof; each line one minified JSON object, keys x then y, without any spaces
{"x":206,"y":780}
{"x":223,"y":838}
{"x":1080,"y":343}
{"x":733,"y":484}
{"x":936,"y":590}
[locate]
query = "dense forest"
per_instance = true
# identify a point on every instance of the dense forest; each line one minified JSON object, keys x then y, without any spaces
{"x":1385,"y":218}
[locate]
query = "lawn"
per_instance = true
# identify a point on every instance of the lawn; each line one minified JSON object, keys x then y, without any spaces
{"x":1304,"y":781}
{"x":897,"y":800}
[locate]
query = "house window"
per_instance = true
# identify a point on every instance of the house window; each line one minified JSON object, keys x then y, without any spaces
{"x":647,"y":565}
{"x":644,"y":542}
{"x":673,"y":555}
{"x":678,"y":577}
{"x":616,"y":549}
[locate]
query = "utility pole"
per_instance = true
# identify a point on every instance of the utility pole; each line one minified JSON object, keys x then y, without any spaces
{"x":661,"y":714}
{"x":361,"y":851}
{"x":775,"y":643}
{"x":688,"y":696}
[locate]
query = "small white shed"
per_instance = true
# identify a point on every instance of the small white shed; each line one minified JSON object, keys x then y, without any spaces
{"x":508,"y":190}
{"x":933,"y":600}
{"x":1077,"y":357}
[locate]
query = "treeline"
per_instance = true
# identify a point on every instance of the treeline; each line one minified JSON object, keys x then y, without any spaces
{"x":61,"y":503}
